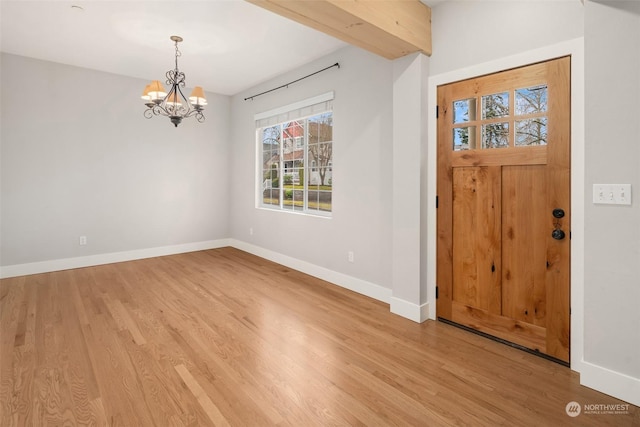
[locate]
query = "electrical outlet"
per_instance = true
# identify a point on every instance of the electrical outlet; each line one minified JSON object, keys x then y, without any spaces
{"x":250,"y":231}
{"x":82,"y":240}
{"x":350,"y":256}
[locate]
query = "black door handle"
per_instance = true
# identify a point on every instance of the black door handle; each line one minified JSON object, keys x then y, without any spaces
{"x":558,"y":234}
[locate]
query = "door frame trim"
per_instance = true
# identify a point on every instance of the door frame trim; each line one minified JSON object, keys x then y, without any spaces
{"x":574,"y":48}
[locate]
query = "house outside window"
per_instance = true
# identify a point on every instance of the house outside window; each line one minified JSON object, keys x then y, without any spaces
{"x":296,"y":148}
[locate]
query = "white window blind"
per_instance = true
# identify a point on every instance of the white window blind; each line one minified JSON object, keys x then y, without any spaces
{"x":297,"y":110}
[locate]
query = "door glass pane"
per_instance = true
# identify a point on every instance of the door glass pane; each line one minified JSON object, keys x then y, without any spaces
{"x":495,"y":135}
{"x":531,"y":131}
{"x":531,"y":100}
{"x":495,"y":105}
{"x":464,"y":110}
{"x":464,"y":138}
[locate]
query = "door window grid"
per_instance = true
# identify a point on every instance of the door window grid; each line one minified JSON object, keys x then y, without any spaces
{"x":517,"y":118}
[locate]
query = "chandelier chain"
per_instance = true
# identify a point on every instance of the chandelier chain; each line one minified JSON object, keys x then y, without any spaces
{"x":178,"y":53}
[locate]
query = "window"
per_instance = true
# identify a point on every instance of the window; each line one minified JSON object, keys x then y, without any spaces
{"x":296,"y":151}
{"x":517,"y":118}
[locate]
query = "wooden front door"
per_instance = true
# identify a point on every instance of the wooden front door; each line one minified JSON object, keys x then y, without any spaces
{"x":504,"y":205}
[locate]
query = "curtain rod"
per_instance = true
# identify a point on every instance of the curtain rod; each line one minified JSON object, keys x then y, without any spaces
{"x":290,"y":83}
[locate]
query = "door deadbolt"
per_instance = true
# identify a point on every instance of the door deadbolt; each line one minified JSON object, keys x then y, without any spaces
{"x":558,"y":213}
{"x":558,"y":234}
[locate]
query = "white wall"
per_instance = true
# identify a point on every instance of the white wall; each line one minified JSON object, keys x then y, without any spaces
{"x":612,"y":251}
{"x":472,"y":32}
{"x":79,"y":158}
{"x":410,"y":116}
{"x":362,"y":175}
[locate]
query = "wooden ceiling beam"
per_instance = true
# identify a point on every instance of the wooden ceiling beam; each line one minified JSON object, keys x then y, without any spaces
{"x":389,"y":28}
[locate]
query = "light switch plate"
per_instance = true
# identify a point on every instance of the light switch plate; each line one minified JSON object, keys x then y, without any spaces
{"x":612,"y":194}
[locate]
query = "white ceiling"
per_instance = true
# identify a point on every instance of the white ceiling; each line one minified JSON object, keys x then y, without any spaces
{"x":229,"y":45}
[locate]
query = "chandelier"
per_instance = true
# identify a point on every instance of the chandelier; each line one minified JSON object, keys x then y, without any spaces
{"x":173,"y":104}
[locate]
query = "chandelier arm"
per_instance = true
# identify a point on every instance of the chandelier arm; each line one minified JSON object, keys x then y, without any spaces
{"x":156,"y":110}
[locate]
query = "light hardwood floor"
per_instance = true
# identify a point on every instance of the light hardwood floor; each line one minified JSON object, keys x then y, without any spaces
{"x":221,"y":337}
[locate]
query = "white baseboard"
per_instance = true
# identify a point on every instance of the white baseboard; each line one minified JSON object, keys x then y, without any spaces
{"x":109,"y":258}
{"x":417,"y":313}
{"x":610,"y":382}
{"x":360,"y":286}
